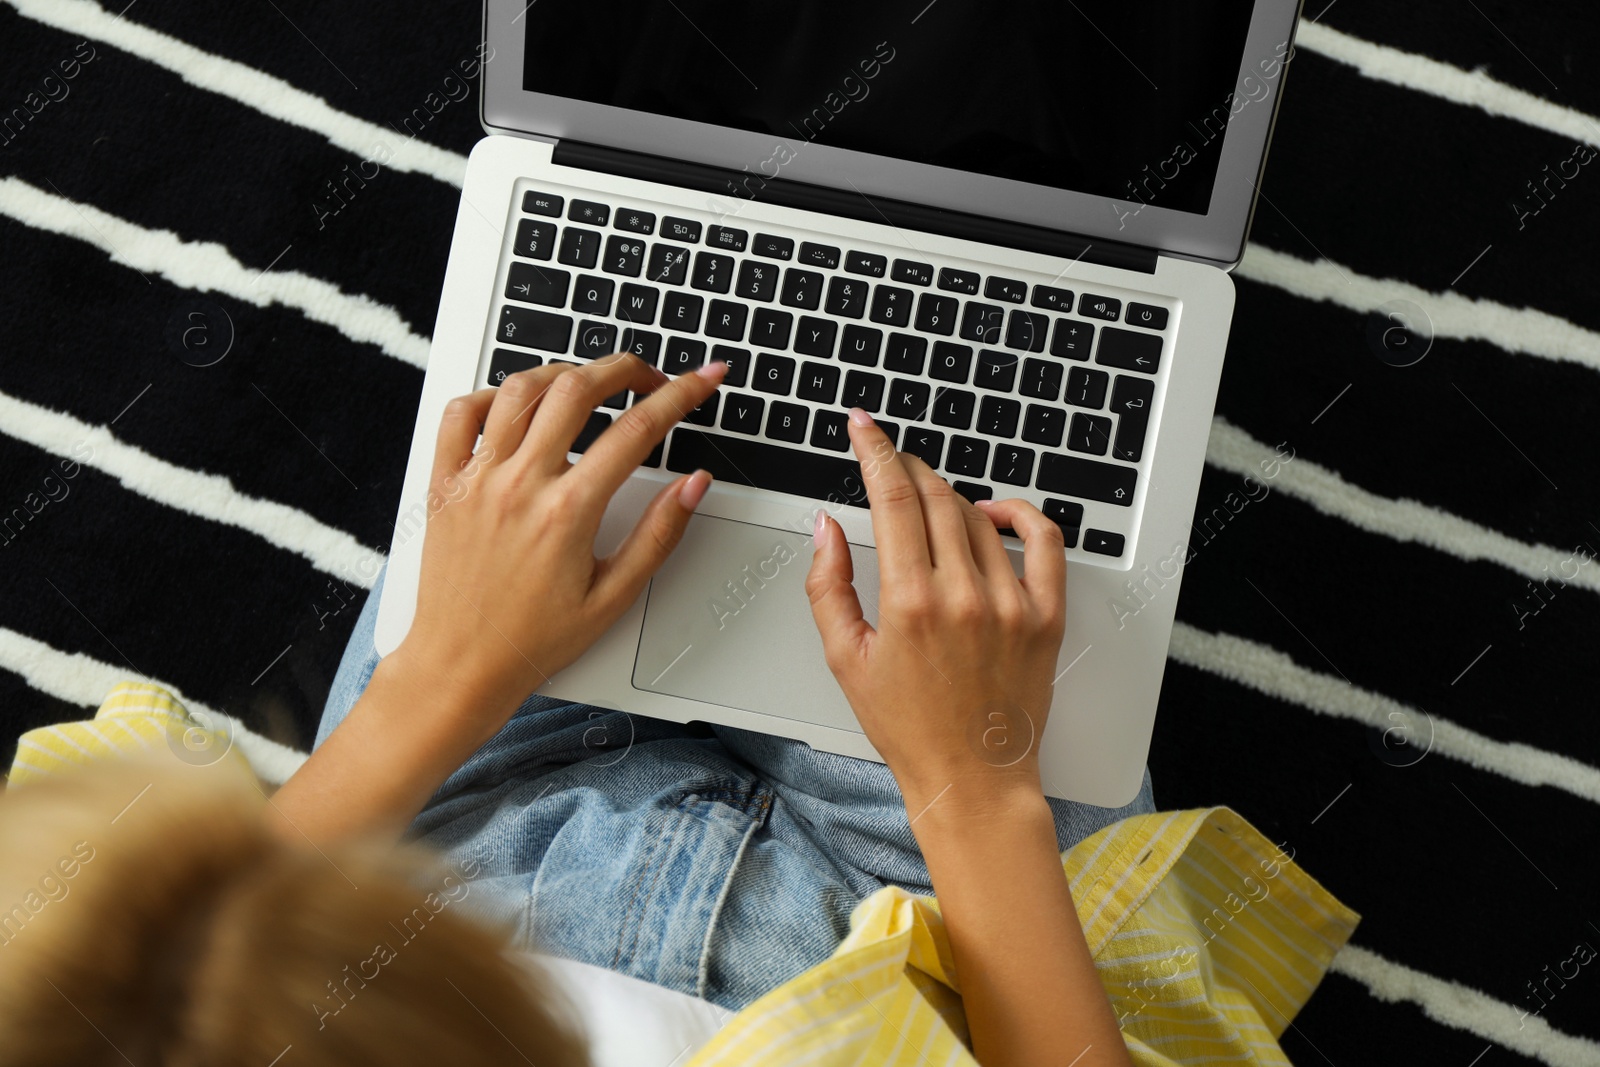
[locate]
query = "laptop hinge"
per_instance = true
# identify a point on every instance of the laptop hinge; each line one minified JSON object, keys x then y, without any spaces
{"x":789,"y":193}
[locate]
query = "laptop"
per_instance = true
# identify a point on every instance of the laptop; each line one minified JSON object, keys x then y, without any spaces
{"x":1004,"y":230}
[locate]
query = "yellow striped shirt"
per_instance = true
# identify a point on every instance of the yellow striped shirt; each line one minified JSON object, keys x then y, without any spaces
{"x":1208,"y":937}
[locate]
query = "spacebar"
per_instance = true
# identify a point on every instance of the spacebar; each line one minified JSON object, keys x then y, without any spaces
{"x":746,"y":462}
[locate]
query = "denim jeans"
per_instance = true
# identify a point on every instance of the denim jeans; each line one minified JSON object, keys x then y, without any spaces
{"x":713,"y":861}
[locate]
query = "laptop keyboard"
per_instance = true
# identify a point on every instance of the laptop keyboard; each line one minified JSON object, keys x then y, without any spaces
{"x":1005,"y":384}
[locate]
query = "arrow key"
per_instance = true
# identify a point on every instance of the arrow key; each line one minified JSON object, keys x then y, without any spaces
{"x":1130,"y":400}
{"x":1102,"y":542}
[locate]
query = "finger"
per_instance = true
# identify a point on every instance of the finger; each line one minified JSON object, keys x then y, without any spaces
{"x":896,"y":505}
{"x":988,"y":551}
{"x":943,"y":513}
{"x":835,"y":607}
{"x":458,"y":433}
{"x":514,"y":404}
{"x":573,"y":396}
{"x":621,"y":575}
{"x":617,"y":452}
{"x":1044,"y":554}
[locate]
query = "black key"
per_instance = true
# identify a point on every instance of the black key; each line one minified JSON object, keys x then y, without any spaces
{"x":1103,"y":543}
{"x":997,"y":416}
{"x":909,"y":399}
{"x":953,"y":407}
{"x":891,"y":306}
{"x":1086,"y":479}
{"x":1006,"y":289}
{"x":862,"y":390}
{"x":725,"y":238}
{"x":537,"y":285}
{"x":765,"y":466}
{"x":773,"y":247}
{"x":534,"y":329}
{"x":1072,"y":339}
{"x":802,"y":289}
{"x":676,"y":229}
{"x":868,"y":263}
{"x":1068,"y":515}
{"x":616,"y":401}
{"x":1052,"y":299}
{"x":847,"y":298}
{"x":1127,"y":350}
{"x":681,"y":311}
{"x":635,"y":221}
{"x":738,"y":361}
{"x":593,"y":428}
{"x":1130,"y":400}
{"x":595,"y":339}
{"x":1012,"y":465}
{"x":819,"y":382}
{"x":637,"y":303}
{"x":508,"y":361}
{"x":1026,"y":331}
{"x":815,"y":337}
{"x":973,"y":491}
{"x":642,"y":343}
{"x":771,"y":328}
{"x":684,"y":354}
{"x":905,"y":353}
{"x":592,"y":295}
{"x":656,"y":453}
{"x":1099,"y":307}
{"x":706,"y":413}
{"x":996,"y":370}
{"x":712,"y":272}
{"x":818,"y":255}
{"x":1147,"y":315}
{"x":968,"y":455}
{"x":787,"y":422}
{"x":950,"y":362}
{"x":1089,"y":433}
{"x":669,"y":265}
{"x":1044,"y":426}
{"x":579,"y":247}
{"x":624,"y":255}
{"x":535,"y":239}
{"x":860,"y":345}
{"x":537,"y":203}
{"x":774,"y":374}
{"x":757,"y":281}
{"x":831,"y":430}
{"x":589,"y":211}
{"x":926,"y":445}
{"x":891,"y":430}
{"x":1087,"y":388}
{"x":982,"y":323}
{"x":936,"y":314}
{"x":1041,"y":379}
{"x":906,"y":270}
{"x":726,"y":320}
{"x":742,"y":414}
{"x":958,"y":281}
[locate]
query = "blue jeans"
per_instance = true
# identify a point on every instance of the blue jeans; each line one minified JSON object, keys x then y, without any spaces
{"x":713,"y":861}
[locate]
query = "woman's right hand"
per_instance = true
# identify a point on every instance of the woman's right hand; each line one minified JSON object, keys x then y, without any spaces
{"x":954,"y":684}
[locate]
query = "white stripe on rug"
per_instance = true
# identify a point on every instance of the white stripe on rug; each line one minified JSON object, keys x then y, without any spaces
{"x":1465,"y":1008}
{"x":1470,"y":88}
{"x":1266,"y":670}
{"x":209,"y":496}
{"x":1451,"y":315}
{"x":256,"y":90}
{"x":84,"y":680}
{"x":209,"y":267}
{"x":1233,"y":450}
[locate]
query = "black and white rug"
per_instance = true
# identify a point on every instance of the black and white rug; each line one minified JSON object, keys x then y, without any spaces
{"x":210,"y":348}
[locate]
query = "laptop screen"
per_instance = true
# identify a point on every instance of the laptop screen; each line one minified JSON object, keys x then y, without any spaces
{"x":1120,"y":100}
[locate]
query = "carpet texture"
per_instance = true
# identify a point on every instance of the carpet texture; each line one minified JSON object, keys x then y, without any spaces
{"x":1385,"y":657}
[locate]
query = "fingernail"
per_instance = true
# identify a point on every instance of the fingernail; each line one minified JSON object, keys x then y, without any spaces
{"x":714,"y":370}
{"x":860,"y":417}
{"x":819,"y":527}
{"x":983,"y":503}
{"x":694,"y":490}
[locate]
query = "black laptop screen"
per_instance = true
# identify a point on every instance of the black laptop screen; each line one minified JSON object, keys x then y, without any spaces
{"x":1125,"y":100}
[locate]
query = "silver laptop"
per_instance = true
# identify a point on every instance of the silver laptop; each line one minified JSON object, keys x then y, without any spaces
{"x":1005,"y":230}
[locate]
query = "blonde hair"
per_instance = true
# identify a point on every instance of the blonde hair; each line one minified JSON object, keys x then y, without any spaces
{"x":147,"y":915}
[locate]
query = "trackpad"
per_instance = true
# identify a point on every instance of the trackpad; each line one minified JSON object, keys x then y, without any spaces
{"x":727,"y":622}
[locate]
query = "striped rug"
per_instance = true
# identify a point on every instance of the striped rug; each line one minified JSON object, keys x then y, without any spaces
{"x":209,"y":366}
